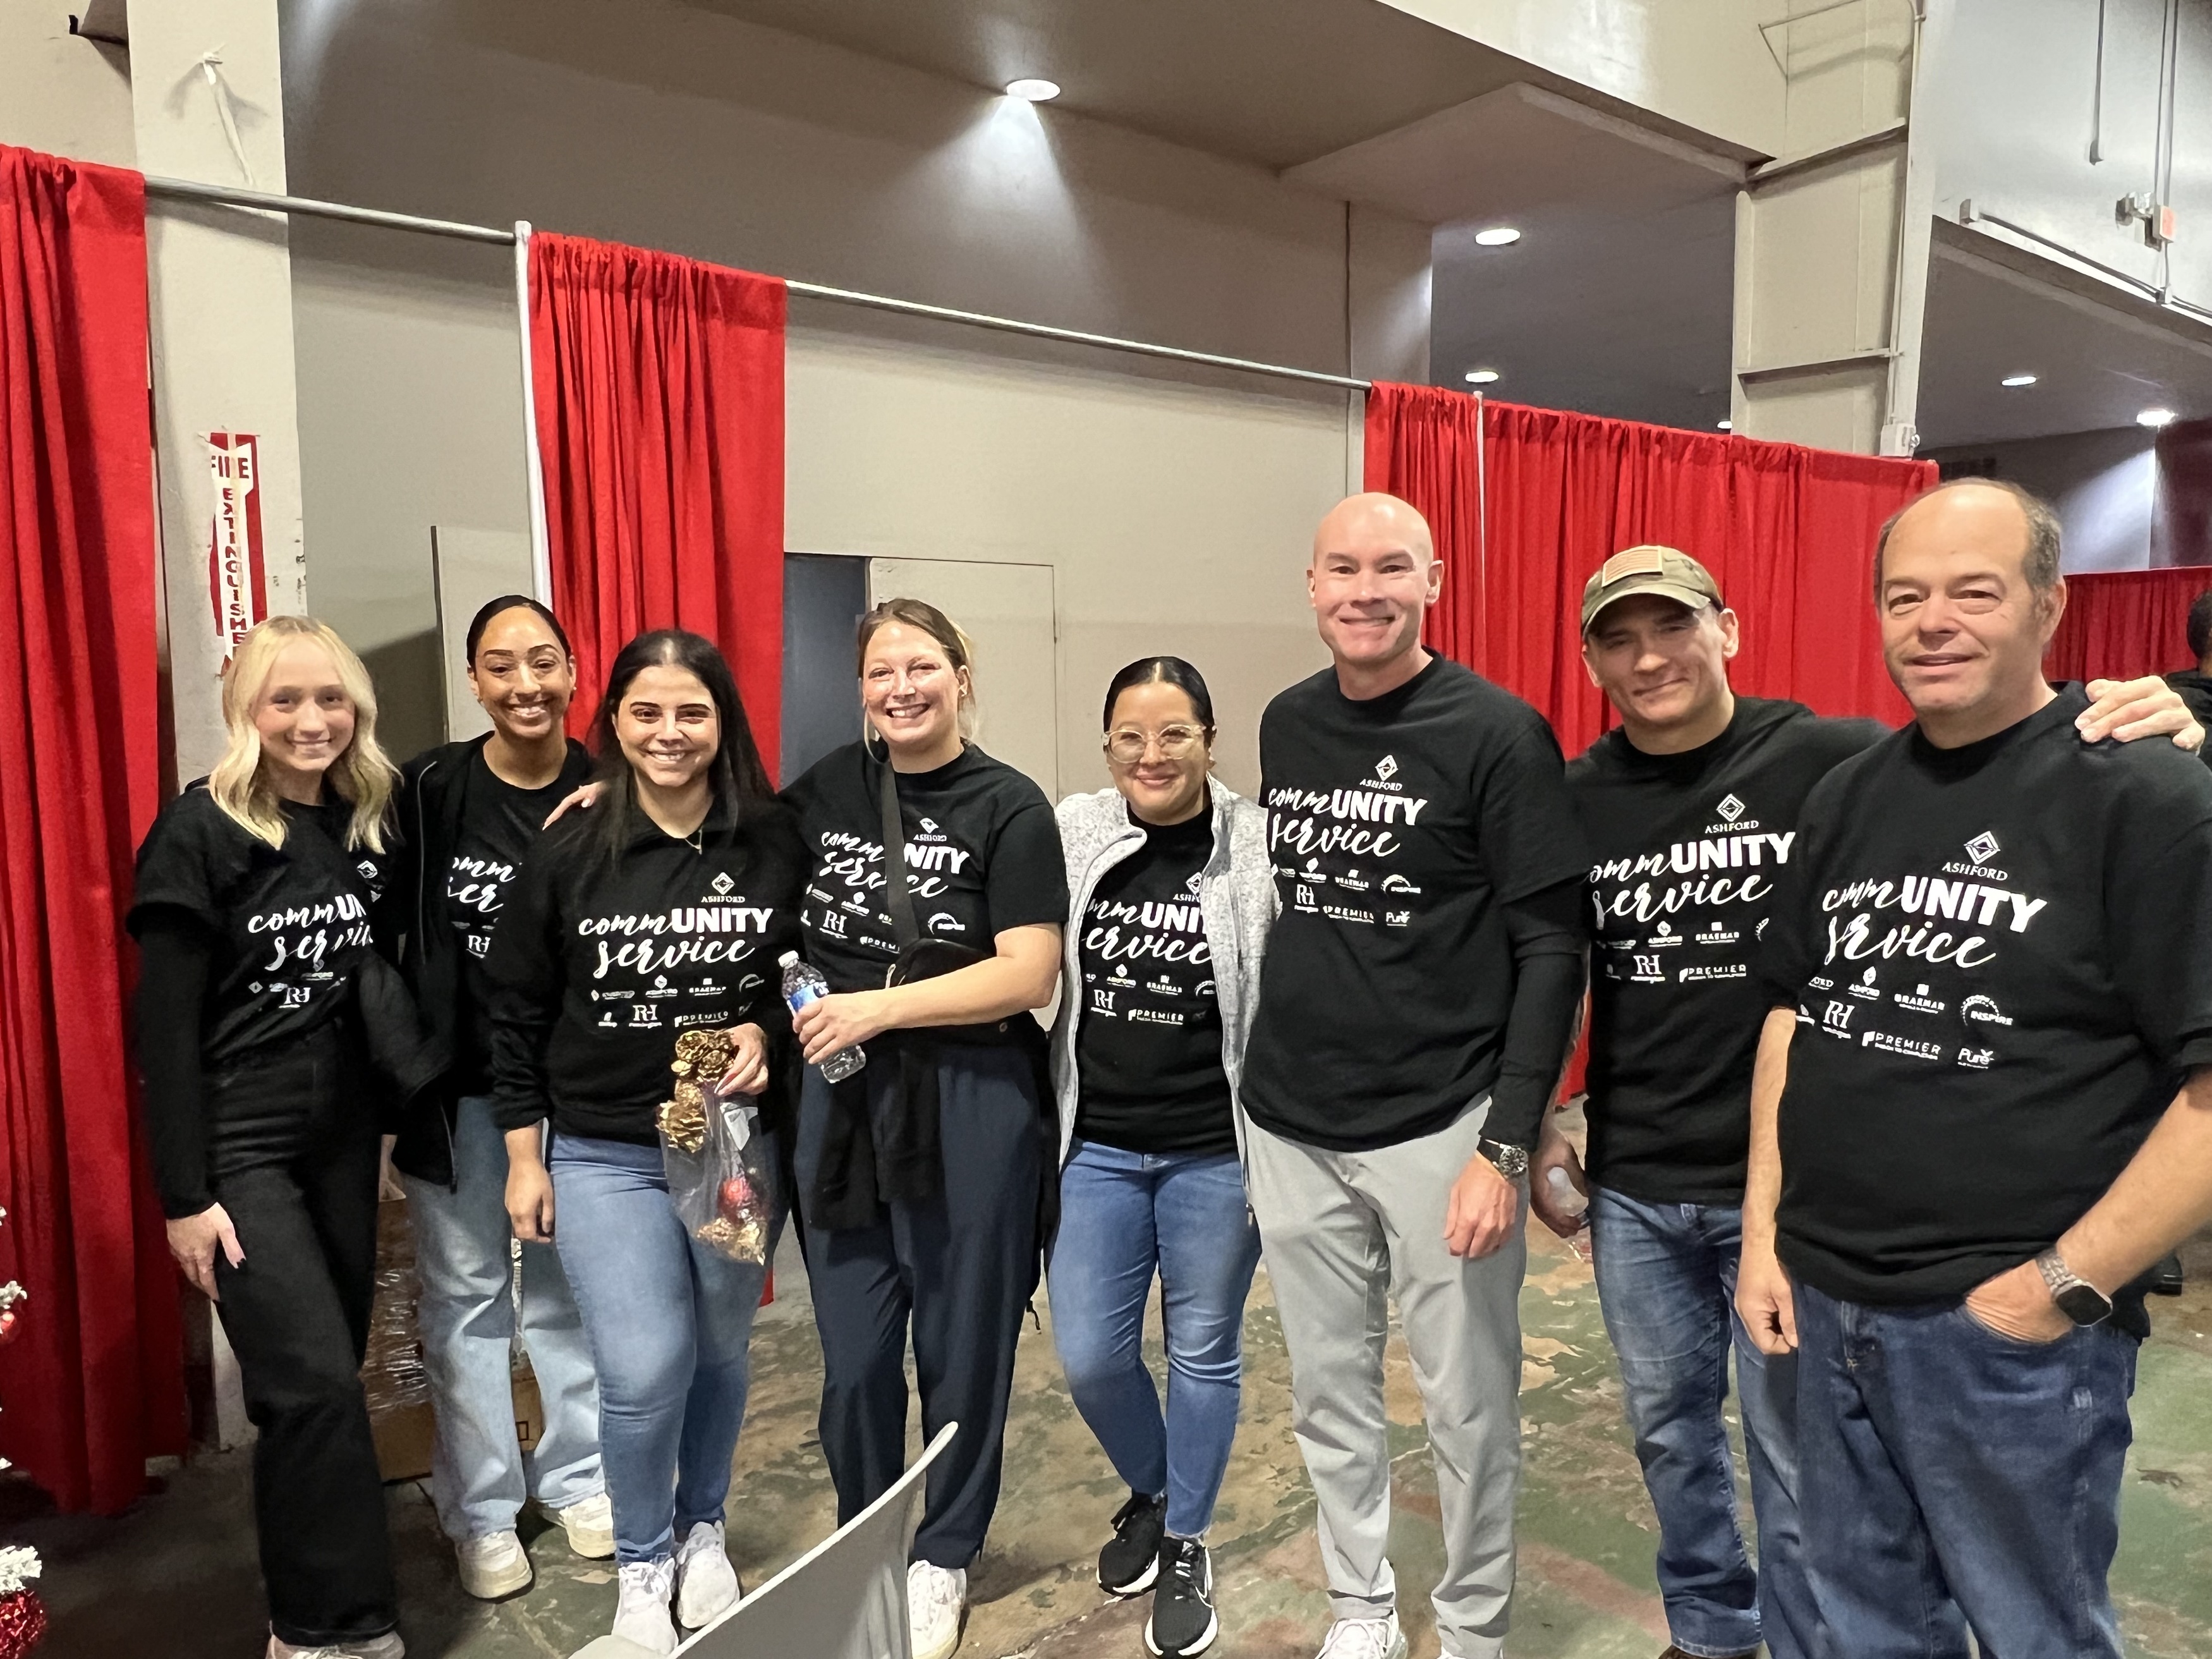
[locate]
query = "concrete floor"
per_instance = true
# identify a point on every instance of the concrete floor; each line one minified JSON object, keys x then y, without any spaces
{"x":176,"y":1578}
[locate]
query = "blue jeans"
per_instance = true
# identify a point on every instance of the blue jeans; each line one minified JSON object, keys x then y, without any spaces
{"x":1666,"y":1281}
{"x":479,"y":1473}
{"x":1955,"y":1477}
{"x":1123,"y":1216}
{"x":671,"y":1322}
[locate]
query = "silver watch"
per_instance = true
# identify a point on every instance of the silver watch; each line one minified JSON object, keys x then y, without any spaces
{"x":1511,"y":1162}
{"x":2078,"y":1299}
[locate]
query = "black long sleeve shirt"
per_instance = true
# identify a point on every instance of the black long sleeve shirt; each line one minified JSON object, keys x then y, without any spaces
{"x":600,"y":962}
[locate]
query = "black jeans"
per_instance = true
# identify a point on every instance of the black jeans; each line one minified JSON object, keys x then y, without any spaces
{"x":292,"y":1157}
{"x":960,"y":1265}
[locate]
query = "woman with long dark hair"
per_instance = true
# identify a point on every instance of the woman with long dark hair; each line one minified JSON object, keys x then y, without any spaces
{"x":1174,"y":893}
{"x":935,"y":900}
{"x":468,"y":812}
{"x":254,"y":909}
{"x":661,"y":911}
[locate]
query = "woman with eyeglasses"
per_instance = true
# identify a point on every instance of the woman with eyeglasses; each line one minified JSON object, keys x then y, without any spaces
{"x":934,"y":910}
{"x":1173,"y":896}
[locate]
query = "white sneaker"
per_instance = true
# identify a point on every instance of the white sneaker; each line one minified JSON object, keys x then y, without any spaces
{"x":706,"y":1585}
{"x":642,"y":1614}
{"x":936,"y":1600}
{"x":493,"y":1566}
{"x":589,"y":1525}
{"x":387,"y":1646}
{"x":1364,"y":1638}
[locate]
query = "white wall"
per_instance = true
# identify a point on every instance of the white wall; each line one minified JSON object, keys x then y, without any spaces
{"x":59,"y":94}
{"x":1176,"y":506}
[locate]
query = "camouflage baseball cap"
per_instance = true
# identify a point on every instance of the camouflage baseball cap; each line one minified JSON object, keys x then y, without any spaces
{"x":1663,"y":570}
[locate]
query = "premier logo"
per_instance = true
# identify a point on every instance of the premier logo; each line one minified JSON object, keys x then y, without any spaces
{"x":1715,"y":970}
{"x":1897,"y":1045}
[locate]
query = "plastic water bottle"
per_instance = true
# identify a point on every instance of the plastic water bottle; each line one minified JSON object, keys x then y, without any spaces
{"x":1565,"y":1199}
{"x":803,"y":983}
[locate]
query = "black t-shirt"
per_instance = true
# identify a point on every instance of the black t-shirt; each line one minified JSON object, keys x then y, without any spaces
{"x":1685,"y":850}
{"x":1148,"y":1049}
{"x":498,"y":822}
{"x":983,"y":855}
{"x":2195,"y":692}
{"x":289,"y":925}
{"x":2001,"y":958}
{"x":598,"y":966}
{"x":1398,"y":825}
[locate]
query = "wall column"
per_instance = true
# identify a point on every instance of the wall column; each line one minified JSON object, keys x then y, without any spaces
{"x":219,"y":282}
{"x":1831,"y":240}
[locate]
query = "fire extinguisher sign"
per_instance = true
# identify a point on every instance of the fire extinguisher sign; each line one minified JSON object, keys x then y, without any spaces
{"x":235,"y":574}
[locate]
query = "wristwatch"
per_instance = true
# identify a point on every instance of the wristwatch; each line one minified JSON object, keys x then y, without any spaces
{"x":1511,"y":1162}
{"x":2079,"y":1300}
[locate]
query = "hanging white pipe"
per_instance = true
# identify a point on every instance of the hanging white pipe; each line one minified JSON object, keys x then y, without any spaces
{"x":541,"y":543}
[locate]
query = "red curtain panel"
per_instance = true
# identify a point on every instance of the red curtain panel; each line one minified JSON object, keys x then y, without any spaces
{"x":659,"y":382}
{"x":2120,"y":623}
{"x":1787,"y":532}
{"x":92,"y":1385}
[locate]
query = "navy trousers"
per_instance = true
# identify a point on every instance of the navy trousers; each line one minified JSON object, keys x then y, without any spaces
{"x":957,"y":1270}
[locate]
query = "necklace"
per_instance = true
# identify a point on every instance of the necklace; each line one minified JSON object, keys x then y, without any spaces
{"x":697,"y":841}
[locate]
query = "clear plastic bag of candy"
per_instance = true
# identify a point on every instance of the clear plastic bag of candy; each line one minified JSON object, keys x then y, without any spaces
{"x":720,"y":1182}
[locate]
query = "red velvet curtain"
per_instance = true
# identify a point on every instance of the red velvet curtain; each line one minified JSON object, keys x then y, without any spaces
{"x":2121,"y":623}
{"x":1787,"y":532}
{"x":93,"y":1384}
{"x":659,"y":383}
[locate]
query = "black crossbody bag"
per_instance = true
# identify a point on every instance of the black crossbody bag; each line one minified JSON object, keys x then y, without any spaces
{"x":920,"y":956}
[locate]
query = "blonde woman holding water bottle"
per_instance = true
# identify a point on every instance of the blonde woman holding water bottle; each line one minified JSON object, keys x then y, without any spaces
{"x":936,"y":893}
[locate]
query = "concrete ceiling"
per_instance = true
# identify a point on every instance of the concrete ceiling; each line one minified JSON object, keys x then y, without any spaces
{"x":2099,"y":355}
{"x":1270,"y":82}
{"x":1616,"y":300}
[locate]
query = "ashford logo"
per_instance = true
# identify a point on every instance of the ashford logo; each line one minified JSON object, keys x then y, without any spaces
{"x":1387,"y":767}
{"x":1196,"y":877}
{"x":929,"y":826}
{"x":1665,"y":935}
{"x":1730,"y":808}
{"x":721,"y":884}
{"x":1866,"y":987}
{"x":1982,"y":848}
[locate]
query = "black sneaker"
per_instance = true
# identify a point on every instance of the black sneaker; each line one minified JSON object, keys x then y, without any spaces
{"x":1182,"y":1621}
{"x":1132,"y":1561}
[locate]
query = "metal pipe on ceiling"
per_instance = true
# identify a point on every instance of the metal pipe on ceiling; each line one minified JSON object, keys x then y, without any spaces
{"x":228,"y":196}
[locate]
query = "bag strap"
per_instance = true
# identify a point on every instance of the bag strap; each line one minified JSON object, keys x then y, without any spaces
{"x":894,"y":889}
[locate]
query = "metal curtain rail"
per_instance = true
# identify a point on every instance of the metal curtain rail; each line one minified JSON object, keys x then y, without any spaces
{"x":226,"y":196}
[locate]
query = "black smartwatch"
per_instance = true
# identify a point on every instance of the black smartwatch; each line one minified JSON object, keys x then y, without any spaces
{"x":1511,"y":1162}
{"x":2079,"y":1300}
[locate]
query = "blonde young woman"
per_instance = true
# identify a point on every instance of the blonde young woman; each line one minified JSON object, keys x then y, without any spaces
{"x":920,"y":1177}
{"x":262,"y":1007}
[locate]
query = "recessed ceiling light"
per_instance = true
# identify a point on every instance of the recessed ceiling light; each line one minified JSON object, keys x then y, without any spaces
{"x":2155,"y":417}
{"x":1481,"y":376}
{"x":1728,"y":426}
{"x":1033,"y":89}
{"x":1497,"y":236}
{"x":2017,"y":380}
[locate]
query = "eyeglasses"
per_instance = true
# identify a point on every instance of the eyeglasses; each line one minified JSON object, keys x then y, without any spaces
{"x":1126,"y":746}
